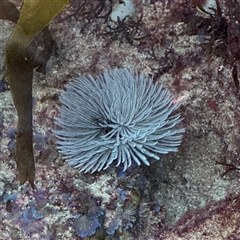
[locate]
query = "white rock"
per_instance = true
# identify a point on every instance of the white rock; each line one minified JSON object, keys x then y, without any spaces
{"x":209,"y":6}
{"x":123,"y":9}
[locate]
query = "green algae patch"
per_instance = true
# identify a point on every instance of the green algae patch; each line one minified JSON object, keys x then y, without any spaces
{"x":34,"y":17}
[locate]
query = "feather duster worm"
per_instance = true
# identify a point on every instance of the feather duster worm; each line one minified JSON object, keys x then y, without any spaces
{"x":119,"y":117}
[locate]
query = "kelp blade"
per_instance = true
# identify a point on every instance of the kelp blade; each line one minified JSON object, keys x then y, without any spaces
{"x":34,"y":17}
